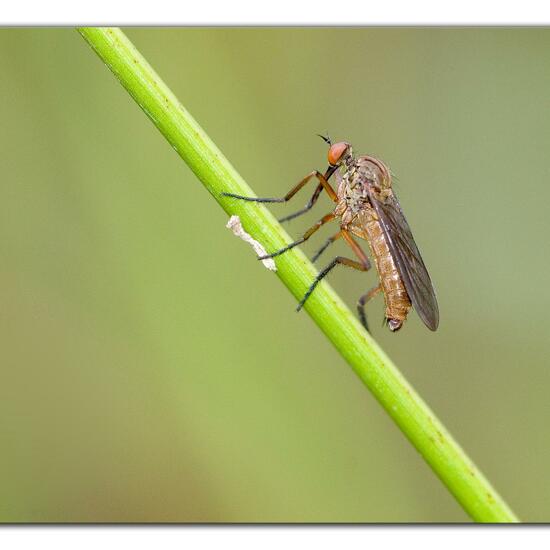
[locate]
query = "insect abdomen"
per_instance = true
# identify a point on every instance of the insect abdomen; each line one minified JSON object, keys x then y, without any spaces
{"x":397,"y":300}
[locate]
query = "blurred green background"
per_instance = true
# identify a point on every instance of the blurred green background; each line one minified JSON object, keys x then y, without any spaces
{"x":153,"y":370}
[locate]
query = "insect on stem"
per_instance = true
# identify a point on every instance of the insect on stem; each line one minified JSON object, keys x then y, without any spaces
{"x":367,"y":207}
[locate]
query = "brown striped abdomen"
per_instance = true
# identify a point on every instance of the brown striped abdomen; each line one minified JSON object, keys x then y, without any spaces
{"x":397,"y":300}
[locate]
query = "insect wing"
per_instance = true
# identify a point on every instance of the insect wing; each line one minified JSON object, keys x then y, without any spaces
{"x":407,"y":258}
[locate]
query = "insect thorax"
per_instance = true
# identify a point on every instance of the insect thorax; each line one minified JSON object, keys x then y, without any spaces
{"x":360,"y":177}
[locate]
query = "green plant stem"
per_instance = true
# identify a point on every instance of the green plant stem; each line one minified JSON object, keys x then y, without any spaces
{"x":372,"y":365}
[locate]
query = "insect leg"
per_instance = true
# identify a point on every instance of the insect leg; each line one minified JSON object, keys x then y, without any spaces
{"x":307,"y":207}
{"x":362,"y":302}
{"x":330,"y":240}
{"x":307,"y":235}
{"x":362,"y":265}
{"x":338,"y":260}
{"x":313,"y":199}
{"x":323,"y":182}
{"x":355,"y":247}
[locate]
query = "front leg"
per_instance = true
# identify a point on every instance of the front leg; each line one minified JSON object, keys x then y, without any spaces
{"x":323,"y":183}
{"x":314,"y":197}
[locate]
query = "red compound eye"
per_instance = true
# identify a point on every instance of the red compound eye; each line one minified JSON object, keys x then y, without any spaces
{"x":336,"y":152}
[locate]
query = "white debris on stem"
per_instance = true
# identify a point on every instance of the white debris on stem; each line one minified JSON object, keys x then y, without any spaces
{"x":235,"y":225}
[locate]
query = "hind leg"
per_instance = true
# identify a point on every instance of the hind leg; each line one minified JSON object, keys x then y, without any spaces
{"x":362,"y":265}
{"x":362,"y":302}
{"x":330,"y":240}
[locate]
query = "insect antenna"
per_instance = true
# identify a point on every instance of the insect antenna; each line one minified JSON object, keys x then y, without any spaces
{"x":326,"y":138}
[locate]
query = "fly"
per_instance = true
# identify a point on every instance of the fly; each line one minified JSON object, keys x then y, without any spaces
{"x":367,"y":208}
